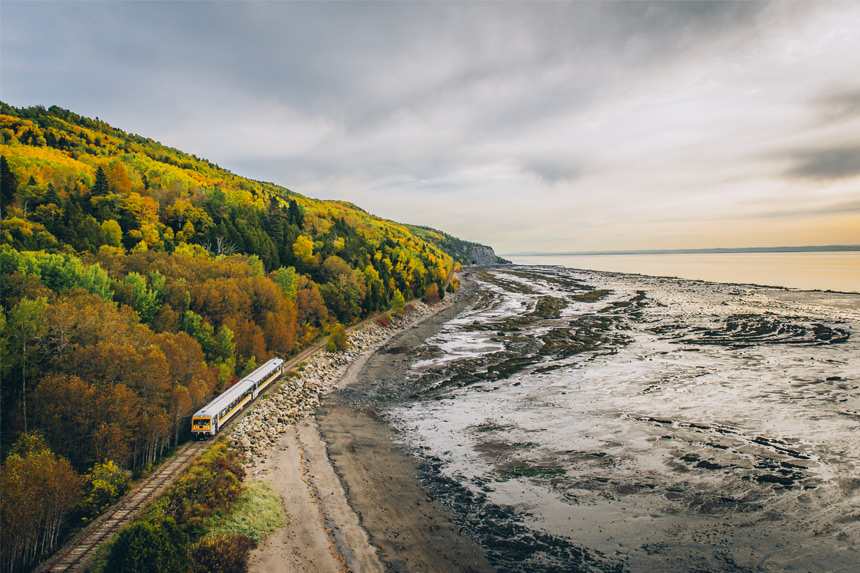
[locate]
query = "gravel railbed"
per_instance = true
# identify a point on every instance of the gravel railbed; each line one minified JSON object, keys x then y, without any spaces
{"x":299,"y":392}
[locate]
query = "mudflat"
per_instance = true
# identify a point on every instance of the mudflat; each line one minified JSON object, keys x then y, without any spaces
{"x":351,"y":492}
{"x":412,"y":531}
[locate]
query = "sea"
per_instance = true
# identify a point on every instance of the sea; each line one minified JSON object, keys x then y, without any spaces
{"x":576,"y":419}
{"x":836,"y":270}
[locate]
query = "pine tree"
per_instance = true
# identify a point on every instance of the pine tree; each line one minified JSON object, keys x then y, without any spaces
{"x":295,"y":214}
{"x":101,"y":185}
{"x":8,"y":185}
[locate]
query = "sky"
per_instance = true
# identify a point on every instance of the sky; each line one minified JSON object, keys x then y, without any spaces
{"x":531,"y":127}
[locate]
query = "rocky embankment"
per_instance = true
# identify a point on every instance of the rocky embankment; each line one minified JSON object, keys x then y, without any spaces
{"x":298,"y":394}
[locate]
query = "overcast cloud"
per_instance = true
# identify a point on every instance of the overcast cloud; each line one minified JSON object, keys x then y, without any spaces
{"x":528,"y":126}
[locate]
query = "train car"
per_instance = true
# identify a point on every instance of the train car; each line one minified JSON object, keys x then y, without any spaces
{"x":210,"y":418}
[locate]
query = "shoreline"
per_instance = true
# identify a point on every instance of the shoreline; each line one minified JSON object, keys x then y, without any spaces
{"x":351,"y":493}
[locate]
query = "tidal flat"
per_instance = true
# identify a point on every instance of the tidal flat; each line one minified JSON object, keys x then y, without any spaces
{"x":593,"y":421}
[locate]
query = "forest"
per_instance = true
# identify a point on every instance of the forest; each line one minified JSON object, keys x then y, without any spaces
{"x":139,"y":281}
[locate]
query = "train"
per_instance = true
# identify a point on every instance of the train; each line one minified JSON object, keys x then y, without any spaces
{"x":206,"y":422}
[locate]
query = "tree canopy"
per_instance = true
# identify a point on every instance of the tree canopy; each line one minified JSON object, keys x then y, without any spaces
{"x":137,"y":281}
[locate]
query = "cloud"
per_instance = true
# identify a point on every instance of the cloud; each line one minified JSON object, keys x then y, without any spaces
{"x":637,"y":115}
{"x":841,"y":105}
{"x":553,"y":172}
{"x":826,"y":164}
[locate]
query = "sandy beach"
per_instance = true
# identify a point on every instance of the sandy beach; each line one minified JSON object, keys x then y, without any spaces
{"x":351,"y":493}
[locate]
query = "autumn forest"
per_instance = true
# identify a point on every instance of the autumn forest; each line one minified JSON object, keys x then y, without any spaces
{"x":139,"y":281}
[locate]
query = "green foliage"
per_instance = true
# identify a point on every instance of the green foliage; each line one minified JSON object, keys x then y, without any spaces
{"x":286,"y":278}
{"x":149,"y":546}
{"x":8,"y":185}
{"x":104,"y":485}
{"x":100,"y":187}
{"x":143,"y":300}
{"x":57,"y":272}
{"x":397,"y":302}
{"x":337,"y":340}
{"x":112,"y":233}
{"x":193,"y":274}
{"x":225,"y":348}
{"x":202,"y":332}
{"x":24,"y":326}
{"x":257,"y":513}
{"x":161,"y":538}
{"x":213,"y":482}
{"x":249,"y":366}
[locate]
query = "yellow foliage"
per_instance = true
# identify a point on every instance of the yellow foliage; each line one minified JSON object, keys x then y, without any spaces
{"x":303,"y":248}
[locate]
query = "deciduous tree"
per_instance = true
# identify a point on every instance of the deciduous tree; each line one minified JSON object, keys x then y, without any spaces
{"x":37,"y":491}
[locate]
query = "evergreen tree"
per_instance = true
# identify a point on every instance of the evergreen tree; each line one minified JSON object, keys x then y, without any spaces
{"x":295,"y":214}
{"x":8,"y":185}
{"x":101,"y":185}
{"x":51,"y":196}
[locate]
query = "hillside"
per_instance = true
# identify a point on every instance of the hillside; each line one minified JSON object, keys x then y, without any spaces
{"x":138,"y":281}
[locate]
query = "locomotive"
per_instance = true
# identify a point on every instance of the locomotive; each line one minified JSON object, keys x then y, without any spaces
{"x":210,"y":418}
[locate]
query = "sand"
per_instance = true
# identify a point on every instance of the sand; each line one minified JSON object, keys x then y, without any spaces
{"x":351,"y":493}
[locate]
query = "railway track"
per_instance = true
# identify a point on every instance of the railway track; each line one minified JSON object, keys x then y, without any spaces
{"x":76,"y":553}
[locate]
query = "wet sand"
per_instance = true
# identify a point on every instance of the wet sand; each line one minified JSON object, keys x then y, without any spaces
{"x":663,"y":436}
{"x":576,"y":420}
{"x":373,"y":514}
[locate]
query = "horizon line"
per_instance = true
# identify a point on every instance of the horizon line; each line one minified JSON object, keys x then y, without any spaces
{"x":716,"y":250}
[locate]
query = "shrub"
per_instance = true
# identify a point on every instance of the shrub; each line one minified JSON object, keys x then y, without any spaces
{"x":337,"y":340}
{"x":397,"y":301}
{"x":431,"y":294}
{"x":211,"y":483}
{"x":144,"y":546}
{"x":104,"y":485}
{"x":222,"y":553}
{"x":384,"y":320}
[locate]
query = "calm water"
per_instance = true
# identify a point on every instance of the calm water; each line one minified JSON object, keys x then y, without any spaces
{"x":809,"y":271}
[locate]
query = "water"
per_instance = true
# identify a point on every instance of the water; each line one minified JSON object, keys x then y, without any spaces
{"x":838,"y":271}
{"x":580,"y":420}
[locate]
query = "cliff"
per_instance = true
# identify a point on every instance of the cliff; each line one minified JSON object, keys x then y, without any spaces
{"x":482,"y":255}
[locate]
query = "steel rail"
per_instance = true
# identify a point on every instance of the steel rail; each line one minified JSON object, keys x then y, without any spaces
{"x":77,"y":552}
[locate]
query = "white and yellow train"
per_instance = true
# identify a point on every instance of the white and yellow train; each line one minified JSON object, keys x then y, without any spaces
{"x":210,"y":418}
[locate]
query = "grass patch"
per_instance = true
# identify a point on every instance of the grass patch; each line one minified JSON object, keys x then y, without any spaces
{"x":491,"y":427}
{"x":549,"y":307}
{"x":529,"y":471}
{"x":523,"y":445}
{"x":507,"y":284}
{"x":257,"y":513}
{"x":591,"y":296}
